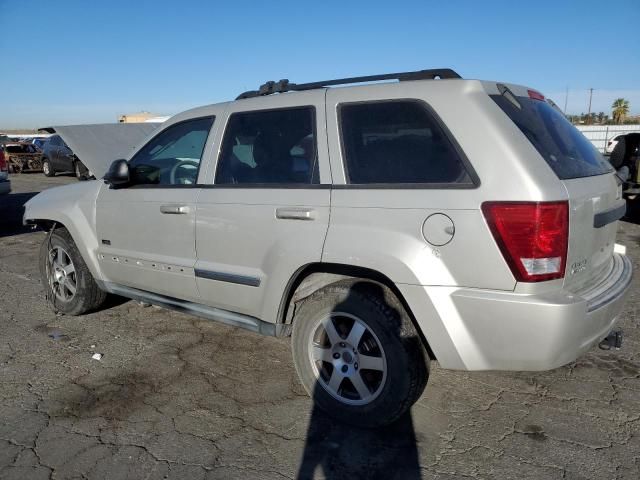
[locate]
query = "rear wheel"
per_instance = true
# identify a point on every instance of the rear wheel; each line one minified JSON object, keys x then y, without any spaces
{"x":66,"y":278}
{"x":358,"y":354}
{"x":47,"y":169}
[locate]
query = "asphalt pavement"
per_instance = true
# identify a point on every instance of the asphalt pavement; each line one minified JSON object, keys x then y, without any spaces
{"x":175,"y":396}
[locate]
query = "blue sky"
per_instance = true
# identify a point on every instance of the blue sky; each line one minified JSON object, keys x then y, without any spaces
{"x":73,"y":61}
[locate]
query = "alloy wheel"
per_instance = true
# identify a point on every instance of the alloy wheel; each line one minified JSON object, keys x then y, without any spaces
{"x":348,"y":359}
{"x":62,"y":274}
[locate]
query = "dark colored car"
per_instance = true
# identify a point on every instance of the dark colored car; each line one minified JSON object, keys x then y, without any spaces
{"x":39,"y":142}
{"x":58,"y":157}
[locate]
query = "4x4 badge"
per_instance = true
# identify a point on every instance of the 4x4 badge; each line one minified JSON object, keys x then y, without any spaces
{"x":578,"y":267}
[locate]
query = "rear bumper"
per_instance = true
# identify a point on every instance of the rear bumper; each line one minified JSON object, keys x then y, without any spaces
{"x":5,"y":187}
{"x":474,"y":329}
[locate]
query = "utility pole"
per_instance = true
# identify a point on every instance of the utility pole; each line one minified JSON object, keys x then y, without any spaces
{"x":566,"y":99}
{"x":589,"y":113}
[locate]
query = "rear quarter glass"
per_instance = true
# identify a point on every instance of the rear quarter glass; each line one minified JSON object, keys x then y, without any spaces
{"x":565,"y":149}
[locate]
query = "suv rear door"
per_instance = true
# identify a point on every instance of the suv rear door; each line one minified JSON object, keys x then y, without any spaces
{"x":265,"y":210}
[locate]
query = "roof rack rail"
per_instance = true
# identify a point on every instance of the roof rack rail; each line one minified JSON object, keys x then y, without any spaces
{"x":284,"y":85}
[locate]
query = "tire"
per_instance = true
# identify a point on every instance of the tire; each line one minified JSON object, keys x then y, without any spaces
{"x":77,"y":170}
{"x":389,"y":344}
{"x":47,"y":169}
{"x":617,"y":157}
{"x":87,"y":295}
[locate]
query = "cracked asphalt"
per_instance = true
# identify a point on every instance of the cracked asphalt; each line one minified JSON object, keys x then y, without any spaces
{"x":179,"y":397}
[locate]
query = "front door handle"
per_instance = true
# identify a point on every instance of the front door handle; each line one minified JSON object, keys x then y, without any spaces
{"x":296,"y":213}
{"x":174,"y":209}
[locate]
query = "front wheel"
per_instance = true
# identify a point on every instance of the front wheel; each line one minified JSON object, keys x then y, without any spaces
{"x":67,"y":281}
{"x":357,"y":353}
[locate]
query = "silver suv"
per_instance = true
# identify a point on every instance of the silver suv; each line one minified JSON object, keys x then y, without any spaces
{"x":381,"y":226}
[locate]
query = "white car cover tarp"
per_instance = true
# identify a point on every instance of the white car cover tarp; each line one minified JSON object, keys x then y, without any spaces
{"x":98,"y":145}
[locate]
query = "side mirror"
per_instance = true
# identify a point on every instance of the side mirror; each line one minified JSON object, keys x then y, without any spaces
{"x":118,"y":174}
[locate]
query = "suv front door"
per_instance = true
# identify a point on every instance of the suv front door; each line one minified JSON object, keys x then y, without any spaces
{"x":265,"y":212}
{"x":146,"y":231}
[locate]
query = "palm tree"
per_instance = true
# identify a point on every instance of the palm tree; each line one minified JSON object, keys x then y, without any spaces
{"x":620,"y":109}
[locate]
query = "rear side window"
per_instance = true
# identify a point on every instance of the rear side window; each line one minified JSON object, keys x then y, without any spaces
{"x":564,"y":148}
{"x":398,"y":142}
{"x":269,"y":147}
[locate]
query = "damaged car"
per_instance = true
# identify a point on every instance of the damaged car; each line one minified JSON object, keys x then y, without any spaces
{"x":381,"y":226}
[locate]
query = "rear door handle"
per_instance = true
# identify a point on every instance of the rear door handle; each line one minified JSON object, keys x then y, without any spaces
{"x":174,"y":209}
{"x":296,"y":213}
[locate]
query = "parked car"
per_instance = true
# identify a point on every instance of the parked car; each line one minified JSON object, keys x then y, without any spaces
{"x":5,"y":183}
{"x":612,"y":142}
{"x":380,"y":225}
{"x":39,"y":142}
{"x":58,"y":157}
{"x":21,"y":157}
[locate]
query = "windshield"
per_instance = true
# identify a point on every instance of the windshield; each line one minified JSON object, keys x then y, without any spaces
{"x":564,"y":147}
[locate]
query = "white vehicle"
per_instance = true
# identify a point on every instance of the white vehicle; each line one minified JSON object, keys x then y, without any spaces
{"x":380,"y":225}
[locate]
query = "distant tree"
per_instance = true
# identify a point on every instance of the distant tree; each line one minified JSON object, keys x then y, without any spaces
{"x":600,"y":117}
{"x":619,"y":110}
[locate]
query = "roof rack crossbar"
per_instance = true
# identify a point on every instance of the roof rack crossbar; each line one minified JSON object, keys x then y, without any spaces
{"x":284,"y":85}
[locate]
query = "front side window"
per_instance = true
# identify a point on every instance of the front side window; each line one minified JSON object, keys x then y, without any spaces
{"x":173,"y":156}
{"x":397,"y":142}
{"x":269,"y":147}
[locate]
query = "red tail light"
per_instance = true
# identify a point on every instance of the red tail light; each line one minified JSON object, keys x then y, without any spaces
{"x":532,"y":236}
{"x":3,"y":162}
{"x":535,"y":95}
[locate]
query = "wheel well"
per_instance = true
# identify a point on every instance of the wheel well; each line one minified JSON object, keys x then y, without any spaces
{"x":45,"y":224}
{"x":315,"y":276}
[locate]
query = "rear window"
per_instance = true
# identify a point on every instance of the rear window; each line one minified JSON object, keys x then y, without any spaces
{"x":398,"y":142}
{"x":564,"y":147}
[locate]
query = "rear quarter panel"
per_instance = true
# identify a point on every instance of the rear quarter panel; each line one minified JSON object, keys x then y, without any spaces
{"x":381,"y":228}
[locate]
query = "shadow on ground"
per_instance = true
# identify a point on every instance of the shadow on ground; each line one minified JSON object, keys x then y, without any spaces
{"x":11,"y":212}
{"x":340,"y":451}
